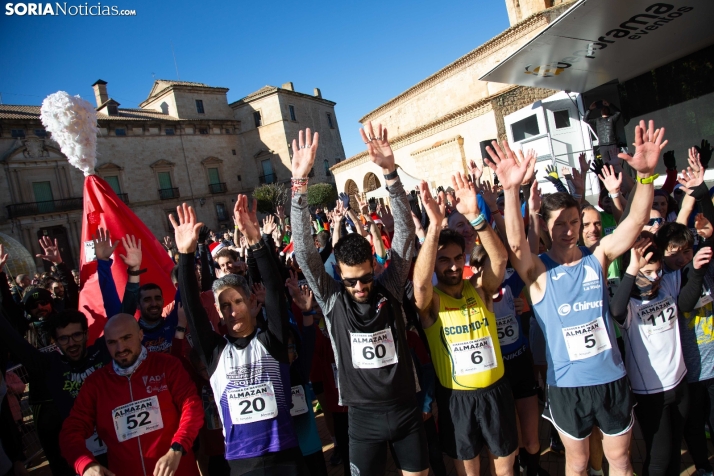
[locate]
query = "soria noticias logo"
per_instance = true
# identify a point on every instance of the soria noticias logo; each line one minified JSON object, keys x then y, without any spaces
{"x":64,"y":9}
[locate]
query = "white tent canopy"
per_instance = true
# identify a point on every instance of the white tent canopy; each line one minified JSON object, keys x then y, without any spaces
{"x":410,"y":183}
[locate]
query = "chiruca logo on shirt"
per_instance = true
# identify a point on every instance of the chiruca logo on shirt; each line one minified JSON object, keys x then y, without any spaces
{"x":565,"y":309}
{"x":592,"y":279}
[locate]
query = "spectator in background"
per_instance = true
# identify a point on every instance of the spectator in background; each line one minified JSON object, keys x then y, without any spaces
{"x":605,"y":127}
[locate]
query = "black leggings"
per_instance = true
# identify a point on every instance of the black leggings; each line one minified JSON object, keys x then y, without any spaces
{"x":315,"y":464}
{"x":48,"y":423}
{"x":342,"y":438}
{"x":661,"y":417}
{"x":701,"y":404}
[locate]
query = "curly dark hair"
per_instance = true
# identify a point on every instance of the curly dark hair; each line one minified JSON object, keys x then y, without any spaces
{"x":353,"y":249}
{"x":673,"y":234}
{"x":448,"y":237}
{"x":65,"y":318}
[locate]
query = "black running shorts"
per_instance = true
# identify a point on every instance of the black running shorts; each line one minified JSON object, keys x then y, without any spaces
{"x":470,"y":419}
{"x":519,"y":372}
{"x":371,"y":428}
{"x":575,"y":410}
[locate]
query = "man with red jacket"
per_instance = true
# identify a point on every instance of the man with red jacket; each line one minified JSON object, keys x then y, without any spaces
{"x":144,"y":408}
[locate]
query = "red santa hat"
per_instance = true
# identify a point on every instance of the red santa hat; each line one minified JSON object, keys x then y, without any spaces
{"x":215,"y":247}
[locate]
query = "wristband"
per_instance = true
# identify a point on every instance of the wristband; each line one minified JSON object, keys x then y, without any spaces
{"x":180,"y":329}
{"x":136,"y":273}
{"x":391,"y":175}
{"x":235,"y":227}
{"x":647,"y":180}
{"x":422,"y":240}
{"x":613,"y":195}
{"x":576,"y":196}
{"x":257,"y":246}
{"x":478,"y":220}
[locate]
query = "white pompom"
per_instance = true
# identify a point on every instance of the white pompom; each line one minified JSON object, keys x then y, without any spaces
{"x":73,"y":124}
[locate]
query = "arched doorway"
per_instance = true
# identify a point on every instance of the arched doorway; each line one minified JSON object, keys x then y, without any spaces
{"x":371,"y":182}
{"x":352,"y":189}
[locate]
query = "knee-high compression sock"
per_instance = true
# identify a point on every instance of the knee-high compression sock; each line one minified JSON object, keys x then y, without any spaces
{"x":532,"y":463}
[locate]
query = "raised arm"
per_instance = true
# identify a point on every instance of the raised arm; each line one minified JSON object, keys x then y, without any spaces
{"x":186,"y":237}
{"x":511,"y":173}
{"x":52,"y":254}
{"x":639,"y":257}
{"x":467,"y":205}
{"x":324,"y":287}
{"x":613,"y":183}
{"x":103,"y":250}
{"x":648,"y":147}
{"x":424,"y":267}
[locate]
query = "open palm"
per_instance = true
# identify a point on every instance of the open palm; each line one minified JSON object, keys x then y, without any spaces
{"x":648,"y":147}
{"x":185,"y":229}
{"x":465,"y":196}
{"x":304,"y":152}
{"x":378,"y":145}
{"x":510,"y":172}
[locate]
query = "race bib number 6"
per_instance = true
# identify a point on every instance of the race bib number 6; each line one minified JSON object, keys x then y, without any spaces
{"x":473,"y":356}
{"x":137,"y":418}
{"x":252,"y":403}
{"x":372,"y":351}
{"x":586,"y":340}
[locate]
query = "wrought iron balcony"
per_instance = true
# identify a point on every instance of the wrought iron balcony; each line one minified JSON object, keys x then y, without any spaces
{"x":168,"y":193}
{"x":267,"y":178}
{"x":39,"y":208}
{"x":217,"y":187}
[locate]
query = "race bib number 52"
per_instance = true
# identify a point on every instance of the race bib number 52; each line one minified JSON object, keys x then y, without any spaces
{"x":372,"y":351}
{"x":252,"y":403}
{"x":137,"y":418}
{"x":586,"y":340}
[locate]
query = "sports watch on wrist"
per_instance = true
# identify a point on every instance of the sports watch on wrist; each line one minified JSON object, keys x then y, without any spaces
{"x":178,"y":448}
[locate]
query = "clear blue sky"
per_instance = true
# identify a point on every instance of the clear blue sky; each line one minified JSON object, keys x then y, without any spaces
{"x":360,"y":54}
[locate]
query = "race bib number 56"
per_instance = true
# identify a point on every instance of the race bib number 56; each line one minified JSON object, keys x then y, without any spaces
{"x":586,"y":340}
{"x":252,"y":403}
{"x":372,"y":351}
{"x":137,"y":418}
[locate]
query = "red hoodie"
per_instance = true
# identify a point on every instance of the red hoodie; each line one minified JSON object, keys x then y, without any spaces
{"x":103,"y":400}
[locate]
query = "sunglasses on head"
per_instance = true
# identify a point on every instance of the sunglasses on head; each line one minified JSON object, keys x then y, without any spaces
{"x":655,"y":221}
{"x":77,"y":337}
{"x":352,"y":282}
{"x":39,"y":302}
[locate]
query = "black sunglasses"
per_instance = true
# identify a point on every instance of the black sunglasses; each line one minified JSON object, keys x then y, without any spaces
{"x":657,"y":221}
{"x":352,"y":282}
{"x":39,"y":302}
{"x":77,"y":337}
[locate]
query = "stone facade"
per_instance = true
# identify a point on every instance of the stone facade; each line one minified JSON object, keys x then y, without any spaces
{"x":184,"y":143}
{"x":453,"y":107}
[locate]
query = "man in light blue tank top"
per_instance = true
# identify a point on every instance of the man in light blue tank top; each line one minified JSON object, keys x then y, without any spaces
{"x":586,"y":379}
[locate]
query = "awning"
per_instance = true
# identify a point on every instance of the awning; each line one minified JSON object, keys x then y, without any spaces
{"x":410,"y":183}
{"x":596,"y":41}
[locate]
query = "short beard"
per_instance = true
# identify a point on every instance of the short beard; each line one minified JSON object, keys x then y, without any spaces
{"x":450,"y":281}
{"x":132,"y":362}
{"x":364,"y":299}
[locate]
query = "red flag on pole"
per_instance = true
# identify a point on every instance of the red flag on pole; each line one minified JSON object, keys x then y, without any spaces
{"x":102,"y":207}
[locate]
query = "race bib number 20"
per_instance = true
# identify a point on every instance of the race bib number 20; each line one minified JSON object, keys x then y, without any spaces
{"x":586,"y":340}
{"x":252,"y":403}
{"x":137,"y":418}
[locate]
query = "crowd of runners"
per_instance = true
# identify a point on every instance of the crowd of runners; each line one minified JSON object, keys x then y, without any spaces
{"x":440,"y":322}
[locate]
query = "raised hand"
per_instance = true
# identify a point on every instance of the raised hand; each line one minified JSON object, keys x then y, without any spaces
{"x":372,"y":203}
{"x":269,"y":225}
{"x":345,"y":199}
{"x":610,"y":179}
{"x":304,"y":151}
{"x":51,"y":250}
{"x":703,"y":226}
{"x":702,"y":257}
{"x":648,"y":147}
{"x":535,"y":199}
{"x":260,"y":292}
{"x":133,"y":252}
{"x":510,"y":171}
{"x":596,"y":166}
{"x":490,"y":195}
{"x":168,"y":243}
{"x":705,"y":151}
{"x":387,"y":218}
{"x":530,"y":158}
{"x":435,"y":207}
{"x":185,"y":229}
{"x":361,"y":202}
{"x":103,"y":247}
{"x":638,"y":254}
{"x":378,"y":146}
{"x":280,"y":212}
{"x":244,"y":220}
{"x":669,"y":160}
{"x":475,"y":171}
{"x":3,"y":257}
{"x":552,"y":171}
{"x":465,"y":196}
{"x":339,"y":210}
{"x":203,"y":234}
{"x":692,"y":177}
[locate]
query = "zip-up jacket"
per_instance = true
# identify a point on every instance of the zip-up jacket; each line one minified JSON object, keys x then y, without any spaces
{"x":104,"y":402}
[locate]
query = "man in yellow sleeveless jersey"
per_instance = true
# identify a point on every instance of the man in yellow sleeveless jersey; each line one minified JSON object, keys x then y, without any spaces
{"x":476,"y":406}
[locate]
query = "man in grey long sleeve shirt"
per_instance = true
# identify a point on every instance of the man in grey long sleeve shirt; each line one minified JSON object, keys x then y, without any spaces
{"x":365,"y":320}
{"x":605,"y":127}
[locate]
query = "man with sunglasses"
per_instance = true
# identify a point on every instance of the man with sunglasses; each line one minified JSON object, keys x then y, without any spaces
{"x":366,"y":320}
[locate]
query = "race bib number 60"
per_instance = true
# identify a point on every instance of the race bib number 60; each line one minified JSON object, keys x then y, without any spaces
{"x":586,"y":340}
{"x":372,"y":351}
{"x":137,"y":418}
{"x":252,"y":403}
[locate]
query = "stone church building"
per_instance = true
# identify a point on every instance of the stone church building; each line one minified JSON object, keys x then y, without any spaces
{"x":184,"y":143}
{"x":436,"y":126}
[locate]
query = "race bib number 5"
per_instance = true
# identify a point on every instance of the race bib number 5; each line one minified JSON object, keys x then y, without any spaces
{"x":473,"y":356}
{"x":372,"y":351}
{"x":137,"y":418}
{"x":252,"y":403}
{"x":586,"y":340}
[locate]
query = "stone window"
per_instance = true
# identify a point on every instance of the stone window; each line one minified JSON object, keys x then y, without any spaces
{"x":120,"y":132}
{"x":329,"y":121}
{"x":40,"y":133}
{"x":327,"y":167}
{"x":257,"y":119}
{"x":233,"y":151}
{"x":169,"y":131}
{"x":199,"y":106}
{"x":203,"y":131}
{"x":221,"y":212}
{"x":291,"y":108}
{"x":18,"y":133}
{"x":113,"y":181}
